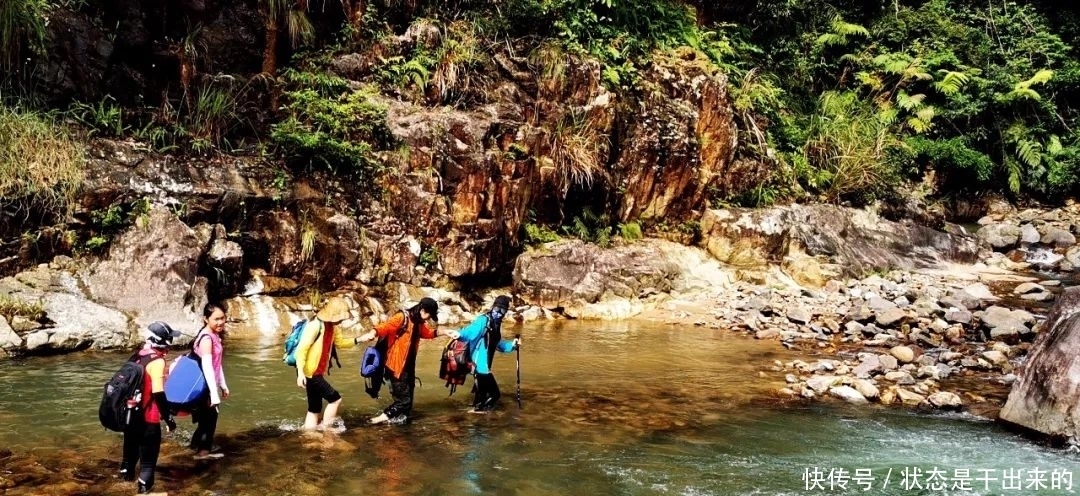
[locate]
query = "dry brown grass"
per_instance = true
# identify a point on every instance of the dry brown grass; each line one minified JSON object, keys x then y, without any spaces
{"x":41,"y":163}
{"x":578,"y":149}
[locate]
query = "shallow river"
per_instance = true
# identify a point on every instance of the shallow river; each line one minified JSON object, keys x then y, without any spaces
{"x":614,"y":408}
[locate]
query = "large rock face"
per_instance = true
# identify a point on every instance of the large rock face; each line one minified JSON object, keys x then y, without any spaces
{"x":848,"y":242}
{"x":152,"y":271}
{"x":585,"y":281}
{"x":132,"y":49}
{"x":1046,"y":398}
{"x":679,"y":140}
{"x":72,"y":322}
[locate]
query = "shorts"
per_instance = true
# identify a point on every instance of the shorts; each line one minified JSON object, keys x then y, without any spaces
{"x":317,"y":390}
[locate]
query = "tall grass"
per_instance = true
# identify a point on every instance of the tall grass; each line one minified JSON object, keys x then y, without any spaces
{"x":21,"y":21}
{"x":578,"y":150}
{"x":41,"y":163}
{"x":10,"y":307}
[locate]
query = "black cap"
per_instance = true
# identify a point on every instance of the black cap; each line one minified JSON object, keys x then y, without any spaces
{"x":502,"y":302}
{"x":431,"y":307}
{"x":161,"y":334}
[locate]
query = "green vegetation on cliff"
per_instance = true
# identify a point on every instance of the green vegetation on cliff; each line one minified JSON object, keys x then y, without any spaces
{"x":834,"y":101}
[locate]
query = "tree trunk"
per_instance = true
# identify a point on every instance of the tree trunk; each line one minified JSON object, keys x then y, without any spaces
{"x":269,"y":65}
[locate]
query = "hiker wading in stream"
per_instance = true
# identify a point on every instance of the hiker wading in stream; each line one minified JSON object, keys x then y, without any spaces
{"x":318,"y":343}
{"x":484,"y":336}
{"x":403,"y":332}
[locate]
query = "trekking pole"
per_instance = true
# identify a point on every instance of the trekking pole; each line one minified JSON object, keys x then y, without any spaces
{"x":518,"y":350}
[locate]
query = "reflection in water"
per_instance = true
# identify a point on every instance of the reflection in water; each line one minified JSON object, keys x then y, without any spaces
{"x":607,"y":409}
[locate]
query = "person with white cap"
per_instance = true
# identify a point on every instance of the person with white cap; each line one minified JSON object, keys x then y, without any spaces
{"x":142,"y":437}
{"x":484,"y":336}
{"x":318,"y":343}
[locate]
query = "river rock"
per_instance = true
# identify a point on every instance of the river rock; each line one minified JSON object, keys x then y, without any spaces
{"x":890,"y":317}
{"x":573,"y":274}
{"x":848,"y":394}
{"x":799,"y":315}
{"x":1046,"y":398}
{"x":822,"y":383}
{"x":1029,"y":234}
{"x":910,"y":397}
{"x":852,"y":241}
{"x":866,"y":388}
{"x":1028,"y":287}
{"x":1000,"y":236}
{"x":945,"y":400}
{"x":1058,"y":237}
{"x":958,"y":316}
{"x":888,"y":362}
{"x":903,"y":354}
{"x":9,"y":341}
{"x":1043,"y":296}
{"x":1005,"y":324}
{"x":900,"y":377}
{"x":868,"y":365}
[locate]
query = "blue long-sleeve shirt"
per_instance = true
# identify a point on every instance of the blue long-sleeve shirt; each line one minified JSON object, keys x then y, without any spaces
{"x":474,"y":335}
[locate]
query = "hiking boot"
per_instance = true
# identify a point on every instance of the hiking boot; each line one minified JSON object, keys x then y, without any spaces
{"x":399,"y":420}
{"x":125,"y":474}
{"x":378,"y":419}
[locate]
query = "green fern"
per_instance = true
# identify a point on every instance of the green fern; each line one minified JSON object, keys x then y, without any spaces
{"x":841,"y":32}
{"x":1029,"y":152}
{"x":1022,"y":90}
{"x":1054,"y":147}
{"x":951,"y":83}
{"x":909,"y":102}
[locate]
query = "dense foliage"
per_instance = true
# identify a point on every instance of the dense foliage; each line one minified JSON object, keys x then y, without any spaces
{"x":840,"y":101}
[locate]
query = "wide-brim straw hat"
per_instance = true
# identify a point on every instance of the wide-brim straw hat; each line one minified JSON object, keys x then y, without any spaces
{"x":336,"y":309}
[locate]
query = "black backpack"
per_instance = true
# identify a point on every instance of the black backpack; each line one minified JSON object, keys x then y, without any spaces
{"x":121,"y":398}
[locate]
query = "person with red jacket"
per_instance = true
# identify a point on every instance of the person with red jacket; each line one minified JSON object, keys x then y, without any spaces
{"x":142,"y":437}
{"x":403,"y":332}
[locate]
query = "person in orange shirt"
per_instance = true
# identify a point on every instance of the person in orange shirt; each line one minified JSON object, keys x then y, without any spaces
{"x":320,"y":337}
{"x":142,"y":438}
{"x":403,"y":332}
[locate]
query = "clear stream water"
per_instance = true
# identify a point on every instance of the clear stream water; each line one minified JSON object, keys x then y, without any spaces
{"x":612,"y":408}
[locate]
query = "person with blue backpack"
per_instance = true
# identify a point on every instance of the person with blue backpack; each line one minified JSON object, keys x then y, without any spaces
{"x":142,"y":436}
{"x":208,"y":350}
{"x":403,"y":332}
{"x":318,"y":342}
{"x":484,"y":337}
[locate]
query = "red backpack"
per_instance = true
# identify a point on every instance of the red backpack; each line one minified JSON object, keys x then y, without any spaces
{"x":456,"y":364}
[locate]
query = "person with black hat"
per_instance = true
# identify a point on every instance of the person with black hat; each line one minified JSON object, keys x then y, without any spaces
{"x":142,"y":437}
{"x":484,"y":336}
{"x":403,"y":332}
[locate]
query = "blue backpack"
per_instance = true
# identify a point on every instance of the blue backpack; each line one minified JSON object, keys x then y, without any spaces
{"x":292,"y":341}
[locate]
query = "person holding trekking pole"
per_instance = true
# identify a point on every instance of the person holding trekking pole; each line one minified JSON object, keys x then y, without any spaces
{"x":484,"y":336}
